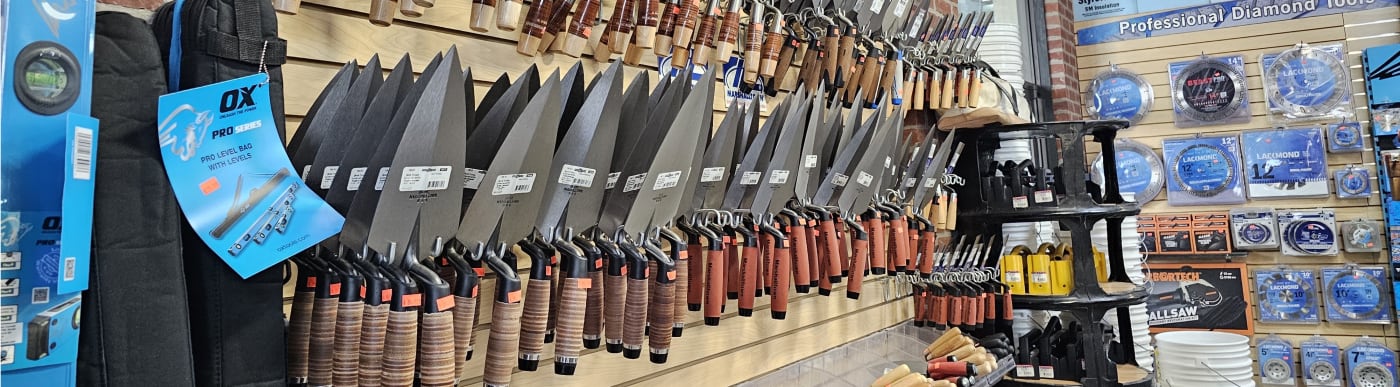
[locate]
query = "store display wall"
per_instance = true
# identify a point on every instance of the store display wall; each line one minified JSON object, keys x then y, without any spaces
{"x":1150,"y":57}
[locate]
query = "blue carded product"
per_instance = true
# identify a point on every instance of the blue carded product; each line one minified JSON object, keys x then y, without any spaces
{"x":48,"y":144}
{"x":1276,"y":362}
{"x":1306,"y":83}
{"x":1209,"y":91}
{"x":232,"y":177}
{"x":1139,"y":170}
{"x":1308,"y":232}
{"x":1382,"y":68}
{"x":1118,"y":94}
{"x":1369,"y":364}
{"x":1353,"y":183}
{"x":1345,"y":137}
{"x":1286,"y":296}
{"x":1322,"y":363}
{"x":1355,"y":294}
{"x":1281,"y":163}
{"x":1203,"y":170}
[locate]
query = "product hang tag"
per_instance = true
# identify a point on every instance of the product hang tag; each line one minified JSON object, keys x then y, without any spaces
{"x":233,"y":179}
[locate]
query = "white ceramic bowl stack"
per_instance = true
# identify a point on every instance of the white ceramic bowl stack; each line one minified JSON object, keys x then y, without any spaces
{"x":1195,"y":358}
{"x":1142,"y":340}
{"x":1001,"y":48}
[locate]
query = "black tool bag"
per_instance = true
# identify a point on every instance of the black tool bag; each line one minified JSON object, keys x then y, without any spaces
{"x":136,"y":330}
{"x":238,"y":331}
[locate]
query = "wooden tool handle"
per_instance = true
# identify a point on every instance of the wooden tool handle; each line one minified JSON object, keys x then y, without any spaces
{"x":615,"y":308}
{"x":887,"y":75}
{"x":508,"y":14}
{"x":536,"y":22}
{"x":975,"y":90}
{"x":533,"y":322}
{"x":381,"y":12}
{"x":748,"y":270}
{"x":801,"y":258}
{"x":593,"y":315}
{"x":950,"y":79}
{"x":463,"y":329}
{"x":665,"y":29}
{"x":692,"y":275}
{"x":772,"y":45}
{"x":686,"y":19}
{"x":753,"y":50}
{"x":726,"y":36}
{"x":833,"y":252}
{"x":680,"y":56}
{"x":482,"y":12}
{"x":290,"y":7}
{"x":853,"y":79}
{"x":964,"y":85}
{"x":400,"y":348}
{"x":787,"y":51}
{"x":322,"y":349}
{"x":349,"y":317}
{"x":299,"y":336}
{"x":634,"y":322}
{"x":681,"y":287}
{"x":860,"y":253}
{"x":831,"y":61}
{"x":715,"y":267}
{"x":782,"y":280}
{"x":918,"y":92}
{"x":703,"y":49}
{"x":661,"y":315}
{"x":619,"y":30}
{"x":410,"y":9}
{"x":558,"y":17}
{"x":436,"y":355}
{"x":811,"y":70}
{"x":870,"y":76}
{"x":879,"y":251}
{"x":845,"y":56}
{"x":648,"y":17}
{"x":581,"y":27}
{"x":569,"y":329}
{"x":934,"y":86}
{"x":373,"y":329}
{"x":503,"y":343}
{"x":733,"y":278}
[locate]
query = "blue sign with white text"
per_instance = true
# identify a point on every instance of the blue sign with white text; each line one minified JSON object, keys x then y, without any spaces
{"x":1221,"y":14}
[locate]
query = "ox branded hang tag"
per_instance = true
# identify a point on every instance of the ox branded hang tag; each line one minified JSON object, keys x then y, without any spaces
{"x":233,"y":178}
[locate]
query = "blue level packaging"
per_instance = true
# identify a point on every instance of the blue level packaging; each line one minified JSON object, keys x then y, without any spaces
{"x":1276,"y":361}
{"x":1209,"y":91}
{"x":1382,"y":68}
{"x":1284,"y":163}
{"x":1369,"y":363}
{"x":1308,"y":232}
{"x":1306,"y":83}
{"x":1322,"y":362}
{"x":49,"y":144}
{"x":232,"y":177}
{"x":1254,"y":228}
{"x":1286,"y":295}
{"x":1203,"y":171}
{"x":1345,"y":137}
{"x":1356,"y":294}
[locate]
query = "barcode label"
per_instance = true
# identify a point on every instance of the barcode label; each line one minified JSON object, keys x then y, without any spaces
{"x":305,"y":171}
{"x":634,"y":182}
{"x":1019,"y":202}
{"x":666,"y":180}
{"x":865,"y":179}
{"x":40,"y":295}
{"x":809,"y":161}
{"x":328,"y":176}
{"x":70,"y":268}
{"x":357,"y":176}
{"x":1044,"y":196}
{"x":910,"y":182}
{"x":877,"y":5}
{"x":1025,"y":371}
{"x":1047,"y":372}
{"x":429,"y":178}
{"x":711,"y":174}
{"x":577,"y":176}
{"x":10,"y":261}
{"x":9,"y":287}
{"x":778,"y":177}
{"x":930,"y":182}
{"x":612,"y":179}
{"x":513,"y":184}
{"x":383,"y":177}
{"x":839,"y":179}
{"x":82,"y":153}
{"x":751,"y":178}
{"x":888,"y":162}
{"x":7,"y":313}
{"x":472,"y":177}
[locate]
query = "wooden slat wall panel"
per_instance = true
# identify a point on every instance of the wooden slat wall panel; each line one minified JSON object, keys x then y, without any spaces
{"x":1150,"y":57}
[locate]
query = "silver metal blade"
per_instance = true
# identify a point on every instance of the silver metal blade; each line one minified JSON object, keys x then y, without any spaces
{"x":864,"y":177}
{"x":333,"y":147}
{"x":320,"y":124}
{"x":778,"y":181}
{"x":513,"y":181}
{"x":485,"y":141}
{"x":689,"y":196}
{"x":847,"y":156}
{"x":432,"y":144}
{"x":580,"y":167}
{"x":718,"y":161}
{"x":915,"y":166}
{"x":488,"y":101}
{"x":634,"y":172}
{"x":368,"y":132}
{"x":750,"y":171}
{"x":355,"y":232}
{"x":342,"y":78}
{"x":933,"y":175}
{"x":809,"y":167}
{"x":659,"y":197}
{"x":629,"y":131}
{"x":573,"y":93}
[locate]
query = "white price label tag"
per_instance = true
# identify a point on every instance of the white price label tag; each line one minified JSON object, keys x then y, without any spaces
{"x":1020,"y":202}
{"x":305,"y":171}
{"x":666,"y":180}
{"x":778,"y":177}
{"x":576,"y":175}
{"x":472,"y":177}
{"x":1013,"y":276}
{"x":634,"y":182}
{"x":751,"y":178}
{"x":39,"y":295}
{"x":383,"y":178}
{"x":612,"y":179}
{"x":9,"y":333}
{"x":1044,"y":196}
{"x":429,"y":178}
{"x":10,"y":261}
{"x":839,"y":180}
{"x":1025,"y":371}
{"x":1047,"y":372}
{"x":888,"y":161}
{"x":9,"y":287}
{"x":711,"y":174}
{"x":513,"y":184}
{"x":865,"y":179}
{"x":930,"y":182}
{"x":809,"y":161}
{"x":910,"y":182}
{"x":8,"y":313}
{"x":328,"y":176}
{"x":877,"y":5}
{"x":1040,"y":278}
{"x":70,"y":268}
{"x":357,"y":176}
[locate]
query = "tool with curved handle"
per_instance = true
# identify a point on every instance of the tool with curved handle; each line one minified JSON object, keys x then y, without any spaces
{"x":503,"y":343}
{"x":879,"y":252}
{"x":781,"y":275}
{"x":694,"y":273}
{"x":635,"y":319}
{"x":832,"y":249}
{"x":534,"y":318}
{"x":573,"y":303}
{"x":615,"y":293}
{"x":801,"y":258}
{"x":716,"y":269}
{"x":662,"y":305}
{"x":465,"y":291}
{"x":899,"y":232}
{"x":748,"y":271}
{"x":860,"y":253}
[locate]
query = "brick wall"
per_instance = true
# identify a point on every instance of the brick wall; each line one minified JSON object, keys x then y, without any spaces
{"x":1064,"y":67}
{"x":945,"y":7}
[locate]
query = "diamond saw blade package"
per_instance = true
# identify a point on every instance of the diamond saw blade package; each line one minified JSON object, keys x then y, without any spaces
{"x":1209,"y":91}
{"x":1203,"y":170}
{"x":1276,"y":362}
{"x":1356,"y":294}
{"x":1286,"y":295}
{"x":1306,"y":83}
{"x":1308,"y":232}
{"x":1322,"y":363}
{"x":1370,"y":364}
{"x":1345,"y":137}
{"x":1285,"y":163}
{"x":1362,"y":236}
{"x":1254,"y":228}
{"x":1353,"y":183}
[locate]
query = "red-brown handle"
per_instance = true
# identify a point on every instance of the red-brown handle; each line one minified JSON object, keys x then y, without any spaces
{"x":374,"y":327}
{"x":989,"y":308}
{"x":815,"y":260}
{"x":753,"y":51}
{"x":703,"y":49}
{"x":956,"y":304}
{"x":666,"y":29}
{"x":299,"y":336}
{"x":899,"y":227}
{"x":681,"y":287}
{"x":503,"y":343}
{"x":734,"y":280}
{"x":322,"y":351}
{"x":692,"y":274}
{"x":569,"y":329}
{"x":686,"y":19}
{"x":768,"y":54}
{"x":615,"y":303}
{"x":716,"y":266}
{"x":831,"y":62}
{"x":536,"y":22}
{"x":581,"y":27}
{"x":769,"y":266}
{"x":726,"y":36}
{"x":938,"y":311}
{"x":930,"y":244}
{"x":349,"y":318}
{"x":782,"y":280}
{"x":786,"y":54}
{"x":634,"y":322}
{"x":648,"y":18}
{"x":879,"y":249}
{"x":801,"y":257}
{"x":833,"y":251}
{"x":872,"y":65}
{"x":860,"y":254}
{"x":436,"y":355}
{"x":400,"y":348}
{"x":749,"y":268}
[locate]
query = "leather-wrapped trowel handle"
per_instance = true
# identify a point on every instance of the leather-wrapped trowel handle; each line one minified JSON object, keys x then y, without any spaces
{"x":400,"y":348}
{"x":348,"y":325}
{"x":374,"y":328}
{"x":437,"y":363}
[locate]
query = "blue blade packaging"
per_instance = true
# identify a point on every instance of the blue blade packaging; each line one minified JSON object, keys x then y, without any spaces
{"x":48,"y":144}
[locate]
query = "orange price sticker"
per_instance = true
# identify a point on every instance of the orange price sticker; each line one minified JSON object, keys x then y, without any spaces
{"x":476,"y":290}
{"x":480,"y":271}
{"x":671,"y":275}
{"x":386,"y":294}
{"x":412,"y":300}
{"x":362,"y":292}
{"x":597,"y":264}
{"x":445,"y":303}
{"x":513,"y":297}
{"x":209,"y":186}
{"x":685,"y":254}
{"x":585,"y":283}
{"x":549,"y":270}
{"x":624,"y":271}
{"x":310,"y":282}
{"x":335,"y":289}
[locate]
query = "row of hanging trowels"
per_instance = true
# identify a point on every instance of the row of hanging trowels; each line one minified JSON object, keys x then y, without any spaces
{"x":568,"y":196}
